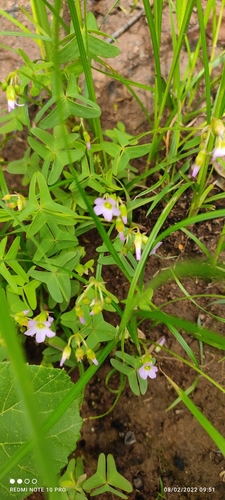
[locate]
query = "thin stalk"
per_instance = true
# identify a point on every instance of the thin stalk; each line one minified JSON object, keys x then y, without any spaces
{"x":75,"y":16}
{"x":41,"y":18}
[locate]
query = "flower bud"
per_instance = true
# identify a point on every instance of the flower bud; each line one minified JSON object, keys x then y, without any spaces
{"x":123,"y":211}
{"x":87,"y":139}
{"x":21,"y":319}
{"x":108,"y":299}
{"x":91,"y":355}
{"x":144,"y":239}
{"x":79,"y":353}
{"x":119,"y":225}
{"x":137,"y":244}
{"x":6,"y":197}
{"x":218,"y":127}
{"x":17,"y":89}
{"x":4,"y":86}
{"x":86,"y":301}
{"x":97,"y":307}
{"x":10,"y":93}
{"x":65,"y":355}
{"x":200,"y":158}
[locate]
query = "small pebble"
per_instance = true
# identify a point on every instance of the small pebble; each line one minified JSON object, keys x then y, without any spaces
{"x":129,"y":438}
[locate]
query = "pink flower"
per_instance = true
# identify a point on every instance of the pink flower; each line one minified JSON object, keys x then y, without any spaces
{"x":148,"y":370}
{"x":40,"y":329}
{"x":106,"y":207}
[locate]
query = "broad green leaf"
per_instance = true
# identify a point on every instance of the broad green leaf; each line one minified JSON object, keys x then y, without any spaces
{"x":70,"y":320}
{"x":69,"y":52}
{"x":12,"y":125}
{"x":50,"y":387}
{"x":66,"y":107}
{"x":105,"y":477}
{"x":41,"y":150}
{"x":132,"y":379}
{"x":120,"y":162}
{"x":30,"y":292}
{"x":45,"y":137}
{"x":99,"y":48}
{"x":126,"y":370}
{"x":98,"y":331}
{"x":8,"y":277}
{"x":114,"y":478}
{"x":61,"y":159}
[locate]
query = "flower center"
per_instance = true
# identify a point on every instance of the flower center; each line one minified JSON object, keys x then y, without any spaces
{"x":40,"y":326}
{"x":107,"y":204}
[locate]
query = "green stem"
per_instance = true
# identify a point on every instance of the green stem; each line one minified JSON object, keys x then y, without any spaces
{"x":86,"y":64}
{"x":40,"y":17}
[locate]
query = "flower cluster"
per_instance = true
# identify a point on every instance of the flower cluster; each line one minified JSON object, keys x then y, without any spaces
{"x":95,"y":296}
{"x":15,"y":200}
{"x":13,"y":89}
{"x":132,"y":238}
{"x":80,"y":350}
{"x":217,"y":128}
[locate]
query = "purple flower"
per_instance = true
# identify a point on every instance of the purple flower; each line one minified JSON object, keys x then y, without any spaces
{"x":155,"y":248}
{"x":148,"y":370}
{"x":40,"y":329}
{"x":218,"y":153}
{"x":95,"y":361}
{"x":106,"y":207}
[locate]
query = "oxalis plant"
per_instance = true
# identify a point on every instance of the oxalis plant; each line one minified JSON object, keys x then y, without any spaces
{"x":77,"y":178}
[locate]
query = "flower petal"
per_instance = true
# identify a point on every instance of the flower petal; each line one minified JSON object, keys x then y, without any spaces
{"x":98,"y":209}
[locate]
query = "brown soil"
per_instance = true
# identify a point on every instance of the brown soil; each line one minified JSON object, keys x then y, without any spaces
{"x":170,"y":445}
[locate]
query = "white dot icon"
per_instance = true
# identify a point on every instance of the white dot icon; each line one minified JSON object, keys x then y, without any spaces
{"x":26,"y":481}
{"x":34,"y":481}
{"x":12,"y":481}
{"x":19,"y":481}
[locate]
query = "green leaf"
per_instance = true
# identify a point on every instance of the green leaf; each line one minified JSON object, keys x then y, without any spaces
{"x":66,"y":107}
{"x":126,"y":370}
{"x":132,"y":379}
{"x":99,"y":48}
{"x":99,"y":331}
{"x":50,"y":387}
{"x":103,"y":479}
{"x":114,"y":478}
